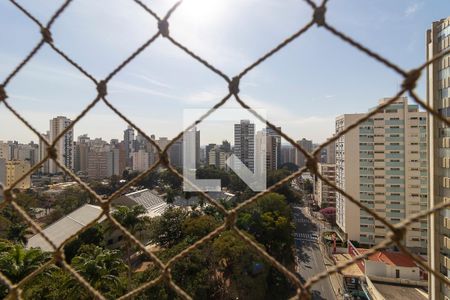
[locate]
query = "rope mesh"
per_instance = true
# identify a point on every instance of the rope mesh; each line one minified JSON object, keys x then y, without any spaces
{"x":397,"y":231}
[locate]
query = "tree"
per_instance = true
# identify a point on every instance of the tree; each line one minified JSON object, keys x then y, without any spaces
{"x":269,"y":221}
{"x":17,"y":232}
{"x":102,"y":268}
{"x":150,"y":180}
{"x":91,"y":236}
{"x":197,"y":227}
{"x":243,"y":274}
{"x":166,"y":230}
{"x":168,"y":178}
{"x":16,"y":262}
{"x":134,"y":220}
{"x":170,"y":195}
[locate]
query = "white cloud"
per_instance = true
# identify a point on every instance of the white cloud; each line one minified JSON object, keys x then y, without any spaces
{"x":412,"y":9}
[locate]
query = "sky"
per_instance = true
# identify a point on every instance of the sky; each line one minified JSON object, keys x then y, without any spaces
{"x":302,"y":88}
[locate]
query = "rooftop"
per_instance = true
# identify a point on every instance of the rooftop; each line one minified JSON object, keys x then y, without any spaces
{"x":400,"y":292}
{"x":353,"y":270}
{"x":391,"y":258}
{"x":65,"y":227}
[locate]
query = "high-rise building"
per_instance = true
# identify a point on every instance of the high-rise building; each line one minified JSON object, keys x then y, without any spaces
{"x":330,"y":157}
{"x":324,"y":194}
{"x":273,"y":148}
{"x":307,"y":145}
{"x":43,"y":152}
{"x":4,"y":151}
{"x":191,"y":148}
{"x":287,"y":154}
{"x":129,"y":143}
{"x":208,"y":149}
{"x":176,"y":153}
{"x":64,"y":146}
{"x":218,"y":157}
{"x":13,"y":170}
{"x":438,"y":98}
{"x":226,"y":146}
{"x":81,"y":150}
{"x":383,"y":164}
{"x":140,"y":160}
{"x":97,"y":161}
{"x":244,"y":143}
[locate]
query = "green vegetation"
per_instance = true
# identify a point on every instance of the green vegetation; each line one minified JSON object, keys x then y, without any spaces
{"x":225,"y":267}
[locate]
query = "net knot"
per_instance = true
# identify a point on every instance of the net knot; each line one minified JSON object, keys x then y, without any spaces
{"x":101,"y":88}
{"x":164,"y":158}
{"x":230,"y":220}
{"x":233,"y":86}
{"x":8,"y":195}
{"x":51,"y":151}
{"x":398,"y":234}
{"x":105,"y":207}
{"x":411,"y":79}
{"x":319,"y":15}
{"x":59,"y":256}
{"x":46,"y":35}
{"x":163,"y":27}
{"x":311,"y":164}
{"x":3,"y":95}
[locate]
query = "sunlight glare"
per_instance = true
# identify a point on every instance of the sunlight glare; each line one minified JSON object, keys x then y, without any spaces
{"x":207,"y":10}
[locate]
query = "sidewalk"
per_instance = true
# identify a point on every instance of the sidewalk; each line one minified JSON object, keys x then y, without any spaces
{"x":335,"y":278}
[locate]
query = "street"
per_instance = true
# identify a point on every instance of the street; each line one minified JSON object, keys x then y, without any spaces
{"x":309,"y":258}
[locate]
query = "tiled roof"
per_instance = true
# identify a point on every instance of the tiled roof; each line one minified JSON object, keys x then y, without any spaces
{"x":391,"y":258}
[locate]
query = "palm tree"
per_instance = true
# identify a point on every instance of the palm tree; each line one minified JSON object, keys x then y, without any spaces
{"x":16,"y":262}
{"x":102,"y":268}
{"x":17,"y":232}
{"x":170,"y":195}
{"x":134,"y":220}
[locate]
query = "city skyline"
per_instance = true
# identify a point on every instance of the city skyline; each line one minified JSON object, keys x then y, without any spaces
{"x":290,"y":80}
{"x":354,"y":203}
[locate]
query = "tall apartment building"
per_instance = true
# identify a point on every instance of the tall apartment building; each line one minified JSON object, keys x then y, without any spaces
{"x":383,"y":164}
{"x":299,"y":157}
{"x":176,"y":153}
{"x":140,"y":160}
{"x":129,"y":143}
{"x":287,"y":154}
{"x":273,"y":148}
{"x":191,"y":147}
{"x":208,"y":149}
{"x":330,"y":153}
{"x":97,"y":164}
{"x":81,"y":150}
{"x":64,"y":146}
{"x":218,"y":157}
{"x":45,"y":168}
{"x":325,"y":195}
{"x":244,"y":143}
{"x":12,"y":170}
{"x":4,"y":151}
{"x":438,"y":97}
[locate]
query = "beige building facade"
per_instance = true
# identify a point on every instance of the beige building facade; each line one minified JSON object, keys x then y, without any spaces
{"x":383,"y":164}
{"x":12,"y":170}
{"x":325,"y":195}
{"x":438,"y":97}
